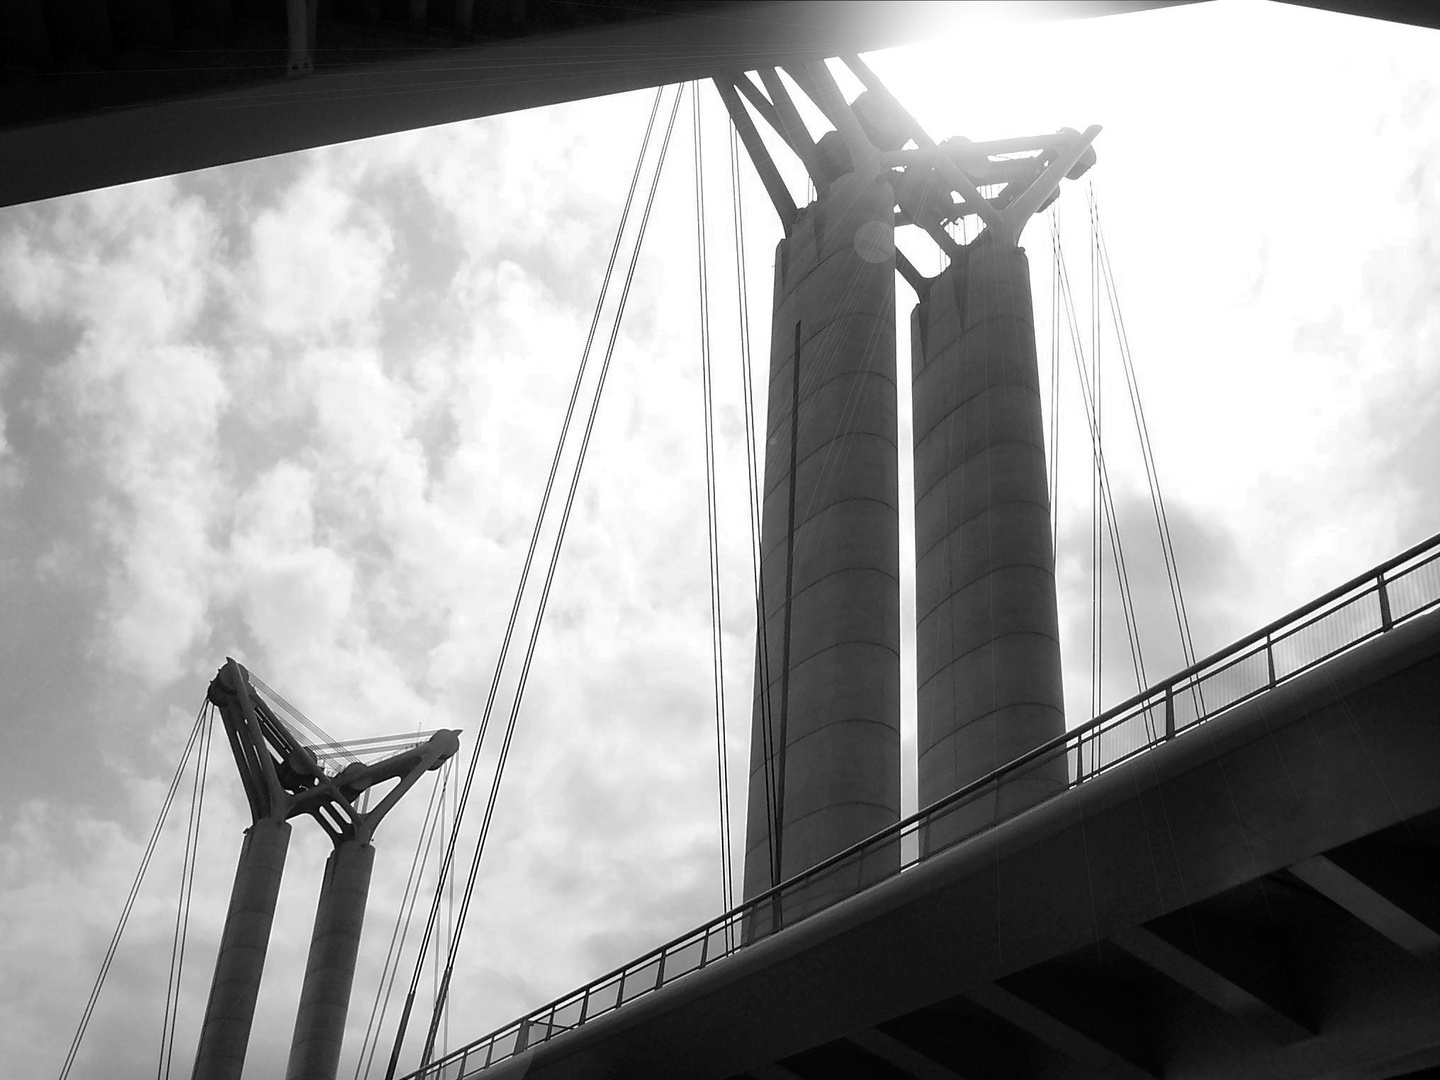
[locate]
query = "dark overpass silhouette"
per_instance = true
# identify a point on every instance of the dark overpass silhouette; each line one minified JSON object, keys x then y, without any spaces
{"x":95,"y":93}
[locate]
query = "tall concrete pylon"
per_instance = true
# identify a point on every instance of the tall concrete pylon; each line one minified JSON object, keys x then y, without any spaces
{"x":987,"y":645}
{"x":825,"y":742}
{"x":987,"y":636}
{"x":824,"y":760}
{"x":825,"y":733}
{"x":245,"y":939}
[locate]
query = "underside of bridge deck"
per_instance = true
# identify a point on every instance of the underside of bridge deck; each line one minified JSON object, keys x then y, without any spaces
{"x":1323,"y":969}
{"x":101,"y":92}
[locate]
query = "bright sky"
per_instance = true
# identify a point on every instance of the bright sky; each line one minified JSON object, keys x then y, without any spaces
{"x":299,"y":411}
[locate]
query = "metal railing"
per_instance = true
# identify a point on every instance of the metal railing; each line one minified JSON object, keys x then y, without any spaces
{"x":1362,"y":608}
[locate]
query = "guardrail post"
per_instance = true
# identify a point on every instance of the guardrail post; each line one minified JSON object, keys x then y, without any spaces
{"x":1386,"y":622}
{"x":522,"y":1039}
{"x":1170,"y":711}
{"x":1270,"y":659}
{"x":660,"y":972}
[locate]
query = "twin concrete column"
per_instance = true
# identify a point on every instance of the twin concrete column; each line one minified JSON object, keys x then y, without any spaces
{"x":330,"y":969}
{"x":827,"y":704}
{"x":987,"y":636}
{"x":225,"y":1031}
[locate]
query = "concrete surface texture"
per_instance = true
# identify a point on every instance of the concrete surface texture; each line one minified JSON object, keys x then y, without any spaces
{"x":330,"y":968}
{"x":225,"y":1031}
{"x":827,"y":701}
{"x":987,"y":636}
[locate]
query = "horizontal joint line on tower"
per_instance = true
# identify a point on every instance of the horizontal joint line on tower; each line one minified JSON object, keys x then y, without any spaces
{"x":754,"y":773}
{"x":1013,"y":316}
{"x":829,"y":442}
{"x":814,"y":388}
{"x":938,"y":672}
{"x":950,"y":596}
{"x":806,"y":339}
{"x":830,"y":506}
{"x":920,"y":752}
{"x":779,"y":610}
{"x":921,"y":436}
{"x":953,"y":527}
{"x":835,"y":645}
{"x":844,"y":720}
{"x":920,"y":495}
{"x":854,"y":802}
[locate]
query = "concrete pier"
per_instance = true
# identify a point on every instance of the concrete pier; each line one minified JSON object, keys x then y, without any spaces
{"x":828,"y":669}
{"x":987,"y":636}
{"x":225,"y":1031}
{"x":330,"y":968}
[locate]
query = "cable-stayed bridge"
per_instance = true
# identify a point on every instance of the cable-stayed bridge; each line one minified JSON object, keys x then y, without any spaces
{"x":1158,"y":892}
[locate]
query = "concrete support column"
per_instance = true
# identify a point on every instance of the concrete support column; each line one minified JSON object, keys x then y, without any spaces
{"x":225,"y":1031}
{"x":987,"y":636}
{"x":330,"y":969}
{"x":827,"y":698}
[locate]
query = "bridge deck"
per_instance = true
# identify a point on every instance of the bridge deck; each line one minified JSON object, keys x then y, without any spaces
{"x":1115,"y":929}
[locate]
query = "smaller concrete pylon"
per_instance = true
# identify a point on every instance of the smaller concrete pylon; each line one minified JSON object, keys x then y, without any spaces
{"x":330,"y":969}
{"x":283,"y":777}
{"x":230,"y":1010}
{"x":340,"y":916}
{"x":987,"y":637}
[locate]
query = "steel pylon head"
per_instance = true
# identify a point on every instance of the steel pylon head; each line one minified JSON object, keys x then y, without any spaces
{"x":289,"y":766}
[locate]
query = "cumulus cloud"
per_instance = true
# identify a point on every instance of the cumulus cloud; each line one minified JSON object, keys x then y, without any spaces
{"x":135,"y":402}
{"x":11,"y":473}
{"x":317,"y":260}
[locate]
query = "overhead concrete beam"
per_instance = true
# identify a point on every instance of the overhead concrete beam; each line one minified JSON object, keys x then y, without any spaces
{"x":1259,"y":1008}
{"x":1396,"y":871}
{"x":1380,"y":913}
{"x":1056,"y":1033}
{"x":904,"y":1057}
{"x":81,"y":29}
{"x":148,"y":23}
{"x":80,"y":152}
{"x":1103,"y":1009}
{"x":212,"y":17}
{"x":774,"y":1072}
{"x":24,"y":40}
